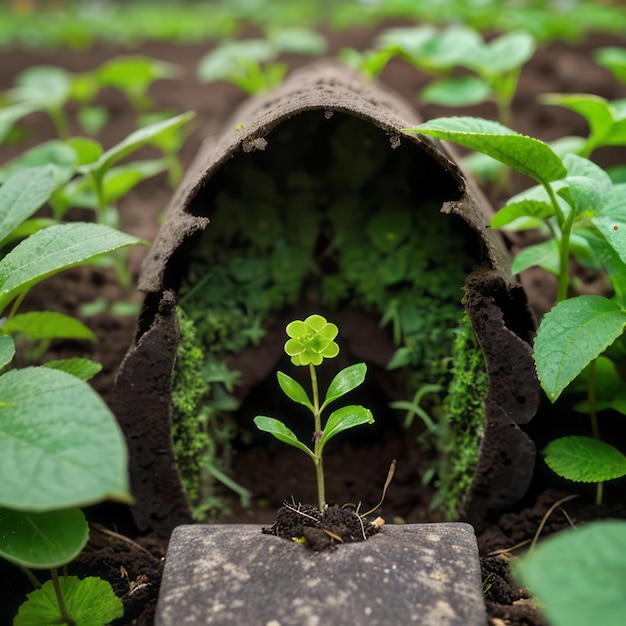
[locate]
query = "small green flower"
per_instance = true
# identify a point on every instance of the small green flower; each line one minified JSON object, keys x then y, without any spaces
{"x":311,"y":340}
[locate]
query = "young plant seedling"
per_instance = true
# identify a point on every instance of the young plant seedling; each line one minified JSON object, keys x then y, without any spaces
{"x":251,"y":64}
{"x":310,"y":342}
{"x":572,"y":191}
{"x":496,"y":65}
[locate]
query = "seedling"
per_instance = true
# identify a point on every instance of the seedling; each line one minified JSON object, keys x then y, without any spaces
{"x":496,"y":64}
{"x":571,"y":192}
{"x":310,"y":342}
{"x":251,"y":64}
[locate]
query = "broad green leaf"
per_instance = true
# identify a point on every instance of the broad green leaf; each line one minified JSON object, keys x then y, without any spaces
{"x":544,"y":254}
{"x":584,"y":459}
{"x":47,"y":325}
{"x":293,"y":390}
{"x":524,"y":154}
{"x":578,"y":575}
{"x":281,"y":432}
{"x":503,"y":54}
{"x":87,"y":150}
{"x":523,"y":208}
{"x":610,"y":220}
{"x":60,"y":444}
{"x":343,"y":419}
{"x":581,"y":249}
{"x":587,"y":185}
{"x":299,"y":41}
{"x":90,"y":602}
{"x":11,"y":114}
{"x":234,"y":58}
{"x":22,"y":194}
{"x":53,"y":249}
{"x":47,"y":86}
{"x":346,"y":380}
{"x":410,"y":40}
{"x":54,"y":153}
{"x":84,"y":369}
{"x":458,"y":91}
{"x":42,"y":540}
{"x":7,"y":350}
{"x":614,"y":59}
{"x":571,"y":335}
{"x":93,"y":118}
{"x":118,"y":181}
{"x":134,"y":141}
{"x":128,"y":71}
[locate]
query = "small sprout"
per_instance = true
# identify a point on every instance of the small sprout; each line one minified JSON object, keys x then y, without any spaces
{"x":310,"y":342}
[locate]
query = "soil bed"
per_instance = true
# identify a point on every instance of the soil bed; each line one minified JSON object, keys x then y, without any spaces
{"x":355,"y":472}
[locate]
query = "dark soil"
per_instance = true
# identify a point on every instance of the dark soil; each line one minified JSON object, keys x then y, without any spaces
{"x":322,"y":530}
{"x":132,"y":562}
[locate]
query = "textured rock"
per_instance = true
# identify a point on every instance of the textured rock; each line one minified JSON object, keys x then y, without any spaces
{"x":232,"y":574}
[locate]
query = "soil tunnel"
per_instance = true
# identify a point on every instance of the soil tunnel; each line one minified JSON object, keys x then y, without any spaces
{"x":315,"y":201}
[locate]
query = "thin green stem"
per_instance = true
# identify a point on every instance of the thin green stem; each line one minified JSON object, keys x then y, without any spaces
{"x":566,"y":224}
{"x":317,"y":437}
{"x":33,"y":579}
{"x":65,"y":616}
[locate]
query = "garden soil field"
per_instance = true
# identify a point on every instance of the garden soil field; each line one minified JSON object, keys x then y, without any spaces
{"x":132,"y":561}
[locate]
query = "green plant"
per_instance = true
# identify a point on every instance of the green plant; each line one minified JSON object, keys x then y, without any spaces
{"x":495,"y":65}
{"x":60,"y":443}
{"x":577,"y":575}
{"x":311,"y":341}
{"x":251,"y":64}
{"x":572,"y":192}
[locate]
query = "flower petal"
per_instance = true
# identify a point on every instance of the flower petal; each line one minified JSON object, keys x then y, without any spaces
{"x":315,"y":322}
{"x":297,"y":328}
{"x":294,"y":346}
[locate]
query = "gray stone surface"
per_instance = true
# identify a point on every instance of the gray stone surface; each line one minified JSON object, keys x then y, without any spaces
{"x":426,"y":574}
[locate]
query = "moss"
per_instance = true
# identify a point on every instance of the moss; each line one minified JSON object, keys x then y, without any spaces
{"x":188,"y":390}
{"x":465,"y":415}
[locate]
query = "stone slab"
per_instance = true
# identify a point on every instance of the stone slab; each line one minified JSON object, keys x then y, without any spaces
{"x":424,"y":574}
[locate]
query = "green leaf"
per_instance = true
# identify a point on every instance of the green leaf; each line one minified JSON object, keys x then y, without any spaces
{"x":523,"y":208}
{"x":87,"y":150}
{"x":22,"y":194}
{"x":90,"y":602}
{"x":614,"y":59}
{"x":503,"y":54}
{"x":233,"y":59}
{"x":134,"y":141}
{"x":299,"y":41}
{"x":54,"y":249}
{"x":571,"y":335}
{"x":578,"y":575}
{"x":584,"y":459}
{"x":544,"y":254}
{"x":346,"y":380}
{"x":11,"y":114}
{"x":54,"y":153}
{"x":47,"y":325}
{"x":343,"y":419}
{"x":587,"y":185}
{"x":458,"y":91}
{"x":293,"y":390}
{"x":46,"y":86}
{"x":118,"y":181}
{"x":42,"y":540}
{"x":128,"y":71}
{"x":281,"y":432}
{"x":524,"y":154}
{"x":84,"y":369}
{"x":7,"y":350}
{"x":59,"y":442}
{"x":610,"y":220}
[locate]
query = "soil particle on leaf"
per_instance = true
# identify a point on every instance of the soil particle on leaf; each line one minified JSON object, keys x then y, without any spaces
{"x":321,"y":530}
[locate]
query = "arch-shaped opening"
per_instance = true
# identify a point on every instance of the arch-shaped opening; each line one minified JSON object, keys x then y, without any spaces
{"x":330,"y":215}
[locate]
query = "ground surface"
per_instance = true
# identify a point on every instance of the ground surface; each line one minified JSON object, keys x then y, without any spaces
{"x":358,"y":472}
